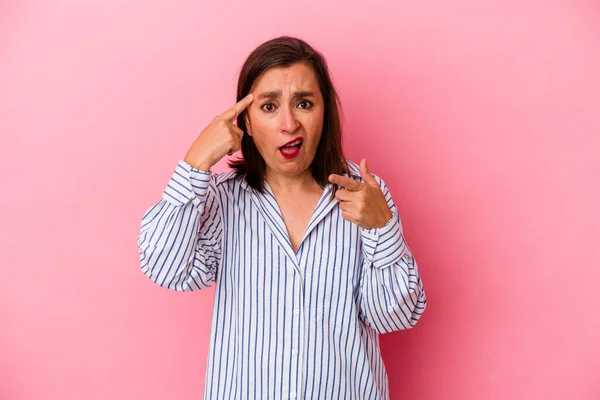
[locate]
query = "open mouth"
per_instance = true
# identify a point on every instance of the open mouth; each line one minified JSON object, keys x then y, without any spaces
{"x":292,"y":148}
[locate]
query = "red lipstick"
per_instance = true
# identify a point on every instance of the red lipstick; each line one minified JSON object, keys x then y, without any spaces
{"x":292,"y":148}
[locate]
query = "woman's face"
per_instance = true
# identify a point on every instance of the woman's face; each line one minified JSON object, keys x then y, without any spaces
{"x":286,"y":119}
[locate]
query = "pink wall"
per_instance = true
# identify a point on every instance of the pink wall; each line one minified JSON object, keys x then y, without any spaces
{"x":484,"y":121}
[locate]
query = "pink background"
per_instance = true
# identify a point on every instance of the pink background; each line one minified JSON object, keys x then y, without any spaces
{"x":483,"y":120}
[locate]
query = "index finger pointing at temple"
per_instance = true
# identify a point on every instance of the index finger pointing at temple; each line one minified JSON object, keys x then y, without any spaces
{"x":231,"y":114}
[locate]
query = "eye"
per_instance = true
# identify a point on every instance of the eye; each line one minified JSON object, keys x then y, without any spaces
{"x":305,"y":104}
{"x":268,"y":107}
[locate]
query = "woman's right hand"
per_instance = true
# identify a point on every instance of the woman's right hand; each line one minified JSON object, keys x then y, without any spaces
{"x":219,"y":138}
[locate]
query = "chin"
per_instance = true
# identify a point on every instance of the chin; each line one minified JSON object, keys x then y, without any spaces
{"x":293,"y":167}
{"x":293,"y":170}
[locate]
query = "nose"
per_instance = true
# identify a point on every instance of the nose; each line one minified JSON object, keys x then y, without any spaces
{"x":288,"y":122}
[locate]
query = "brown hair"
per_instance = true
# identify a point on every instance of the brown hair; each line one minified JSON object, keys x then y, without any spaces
{"x":283,"y":52}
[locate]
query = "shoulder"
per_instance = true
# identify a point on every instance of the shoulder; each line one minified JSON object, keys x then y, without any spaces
{"x":230,"y":182}
{"x":354,"y":169}
{"x":228,"y":177}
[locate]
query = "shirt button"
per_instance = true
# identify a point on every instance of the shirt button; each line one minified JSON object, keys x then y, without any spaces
{"x":296,"y":311}
{"x":292,"y":395}
{"x":294,"y":352}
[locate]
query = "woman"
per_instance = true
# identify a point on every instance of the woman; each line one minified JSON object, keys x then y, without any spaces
{"x":306,"y":248}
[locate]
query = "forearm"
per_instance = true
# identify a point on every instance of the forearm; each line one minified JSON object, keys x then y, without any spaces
{"x":179,"y":241}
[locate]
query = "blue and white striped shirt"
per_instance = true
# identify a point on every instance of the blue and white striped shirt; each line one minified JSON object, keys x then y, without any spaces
{"x":285,"y":324}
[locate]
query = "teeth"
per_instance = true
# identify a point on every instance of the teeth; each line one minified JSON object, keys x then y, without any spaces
{"x":297,"y":142}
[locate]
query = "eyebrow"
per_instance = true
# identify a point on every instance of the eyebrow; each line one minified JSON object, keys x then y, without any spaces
{"x":276,"y":93}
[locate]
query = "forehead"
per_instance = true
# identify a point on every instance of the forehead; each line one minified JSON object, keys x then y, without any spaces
{"x":298,"y":76}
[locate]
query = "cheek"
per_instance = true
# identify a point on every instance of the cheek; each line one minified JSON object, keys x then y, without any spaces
{"x":261,"y":129}
{"x":314,"y":126}
{"x":257,"y":123}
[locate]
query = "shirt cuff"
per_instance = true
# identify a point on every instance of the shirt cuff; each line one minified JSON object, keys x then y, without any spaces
{"x":187,"y":184}
{"x":386,"y":245}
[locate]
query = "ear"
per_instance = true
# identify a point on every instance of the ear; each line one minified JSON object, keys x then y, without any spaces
{"x":247,"y":121}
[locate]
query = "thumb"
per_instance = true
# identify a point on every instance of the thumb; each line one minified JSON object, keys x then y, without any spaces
{"x":365,"y":174}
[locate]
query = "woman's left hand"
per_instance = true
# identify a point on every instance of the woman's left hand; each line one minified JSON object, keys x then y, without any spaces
{"x":362,"y":203}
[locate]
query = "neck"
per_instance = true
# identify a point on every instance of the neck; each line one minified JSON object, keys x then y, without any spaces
{"x":291,"y":184}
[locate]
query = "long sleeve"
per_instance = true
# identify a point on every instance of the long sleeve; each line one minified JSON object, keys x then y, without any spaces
{"x":180,"y":237}
{"x":392,"y":296}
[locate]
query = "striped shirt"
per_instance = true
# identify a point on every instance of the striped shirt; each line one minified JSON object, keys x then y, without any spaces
{"x":285,"y":324}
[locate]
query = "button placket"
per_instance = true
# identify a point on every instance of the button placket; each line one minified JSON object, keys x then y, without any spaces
{"x":298,"y":323}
